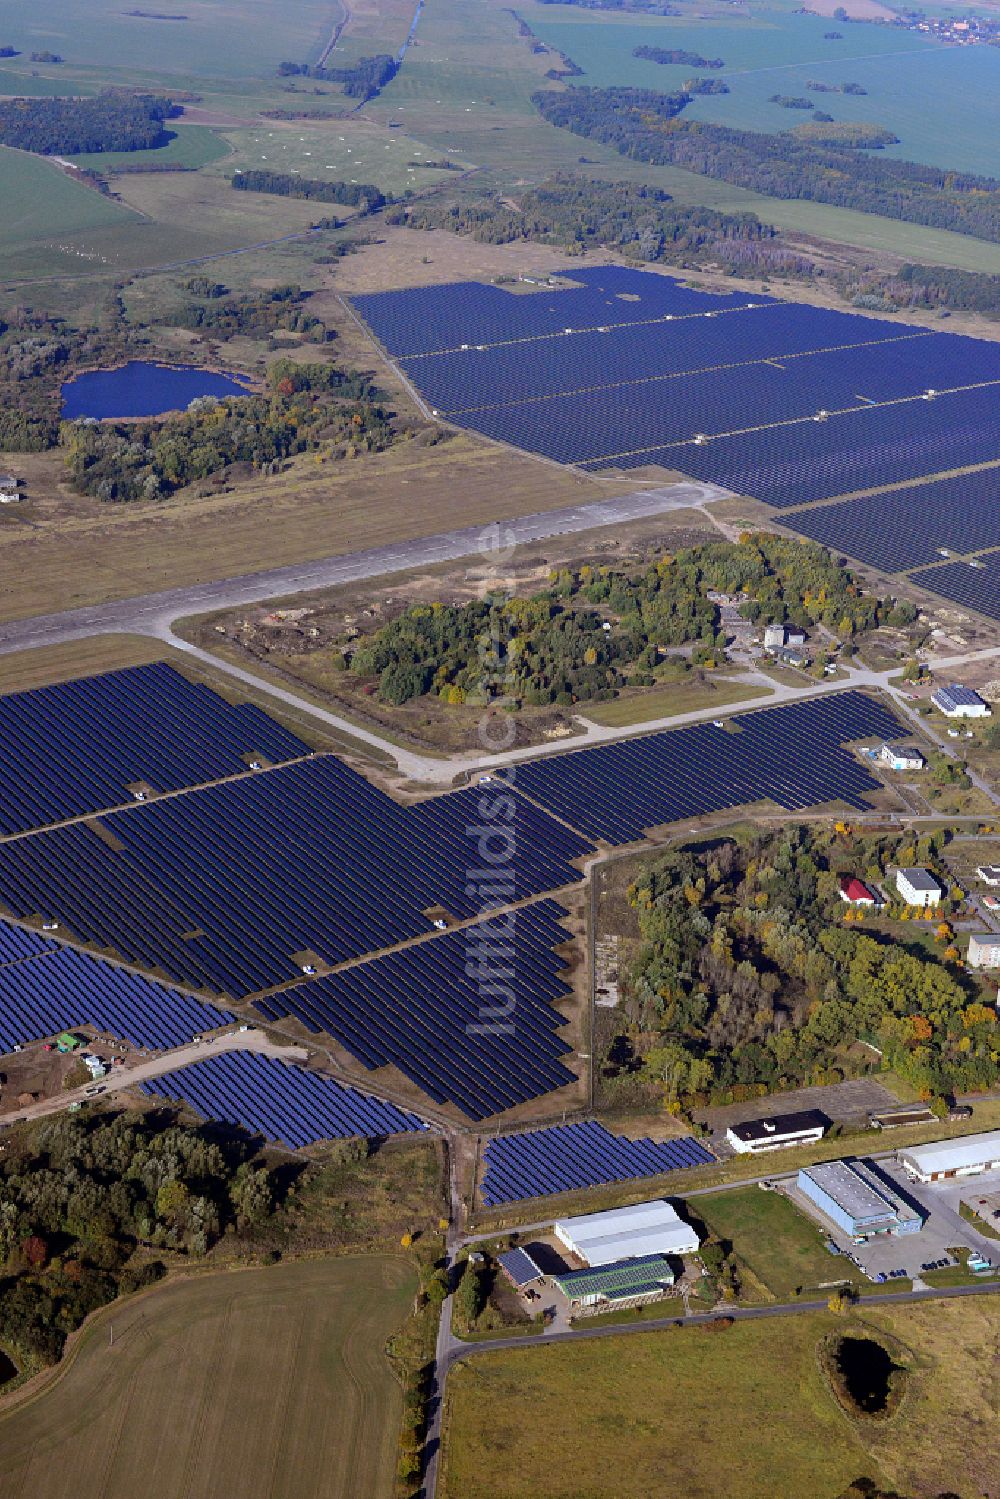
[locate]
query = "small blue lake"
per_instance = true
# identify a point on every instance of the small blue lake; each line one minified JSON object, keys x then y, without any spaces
{"x":142,"y":389}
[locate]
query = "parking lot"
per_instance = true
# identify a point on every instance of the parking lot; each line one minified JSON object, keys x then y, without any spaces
{"x":943,"y":1230}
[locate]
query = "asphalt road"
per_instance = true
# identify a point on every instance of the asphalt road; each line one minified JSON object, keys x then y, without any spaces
{"x":152,"y":614}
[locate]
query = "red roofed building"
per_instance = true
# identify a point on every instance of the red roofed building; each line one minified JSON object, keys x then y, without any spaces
{"x":855,"y":893}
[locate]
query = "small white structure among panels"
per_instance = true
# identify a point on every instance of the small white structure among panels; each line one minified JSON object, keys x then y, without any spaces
{"x":627,"y":1233}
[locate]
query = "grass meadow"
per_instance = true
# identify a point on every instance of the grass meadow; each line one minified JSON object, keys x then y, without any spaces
{"x":189,"y":146}
{"x":213,"y":39}
{"x":267,"y":1384}
{"x":743,"y":1413}
{"x":40,"y":200}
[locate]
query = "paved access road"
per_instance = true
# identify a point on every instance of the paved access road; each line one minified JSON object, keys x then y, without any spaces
{"x":490,"y":545}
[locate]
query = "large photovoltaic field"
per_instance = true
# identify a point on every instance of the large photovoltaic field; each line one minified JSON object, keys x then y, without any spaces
{"x":311,"y":895}
{"x":781,"y":402}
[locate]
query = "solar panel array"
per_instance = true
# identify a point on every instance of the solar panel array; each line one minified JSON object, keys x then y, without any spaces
{"x":907,"y":527}
{"x":792,"y":755}
{"x":17,"y":943}
{"x":77,"y":747}
{"x":856,"y":450}
{"x":974,"y":587}
{"x":588,"y":378}
{"x":572,"y":1156}
{"x":428,"y":319}
{"x":222,"y":888}
{"x":469,"y":1017}
{"x":56,"y":988}
{"x":279,"y":1100}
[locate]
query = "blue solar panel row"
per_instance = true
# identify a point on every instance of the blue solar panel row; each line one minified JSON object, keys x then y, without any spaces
{"x":59,"y":988}
{"x":222,"y":888}
{"x":792,"y":755}
{"x":431,"y":318}
{"x":571,"y":1156}
{"x":906,"y":527}
{"x":86,"y":742}
{"x":469,"y":1017}
{"x":974,"y":587}
{"x":861,"y":449}
{"x":500,"y":376}
{"x":16,"y":944}
{"x":280,"y":1101}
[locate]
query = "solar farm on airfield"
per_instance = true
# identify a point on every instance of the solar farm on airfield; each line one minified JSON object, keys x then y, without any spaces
{"x":631,"y":367}
{"x":307,"y":893}
{"x":782,"y":402}
{"x":567,"y":1157}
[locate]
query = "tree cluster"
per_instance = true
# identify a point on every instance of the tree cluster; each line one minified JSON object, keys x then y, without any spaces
{"x":677,"y":55}
{"x":748,"y":980}
{"x":363,"y":80}
{"x":281,"y":309}
{"x":111,"y":121}
{"x":38,"y":352}
{"x":595,"y":630}
{"x":856,"y":135}
{"x":815,"y":86}
{"x":86,"y":1195}
{"x":642,"y":125}
{"x":361,"y":195}
{"x":576,"y":214}
{"x":307,"y":407}
{"x":791,"y":101}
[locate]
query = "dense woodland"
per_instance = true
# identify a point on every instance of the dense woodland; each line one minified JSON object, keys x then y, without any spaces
{"x":596,"y":630}
{"x":305,"y":408}
{"x":642,"y":124}
{"x":88,"y":1194}
{"x":361,"y":195}
{"x":751,"y":977}
{"x":111,"y":121}
{"x":36,"y":354}
{"x":577,"y":214}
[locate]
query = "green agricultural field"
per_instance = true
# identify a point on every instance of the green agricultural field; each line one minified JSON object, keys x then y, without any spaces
{"x":781,"y":1246}
{"x":342,"y":151}
{"x":211,"y":38}
{"x":40,"y":200}
{"x":266,"y":1384}
{"x":912,"y":82}
{"x":189,"y":146}
{"x":743,"y":1413}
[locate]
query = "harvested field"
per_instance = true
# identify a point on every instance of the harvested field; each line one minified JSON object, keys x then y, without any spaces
{"x":285,"y":1391}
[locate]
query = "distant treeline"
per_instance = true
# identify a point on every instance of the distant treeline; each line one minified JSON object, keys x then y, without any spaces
{"x":790,"y":101}
{"x":639,"y":7}
{"x":361,"y":81}
{"x":111,"y":121}
{"x":361,"y":195}
{"x":677,"y":55}
{"x":641,"y":124}
{"x":705,"y":86}
{"x":816,"y":87}
{"x":576,"y":214}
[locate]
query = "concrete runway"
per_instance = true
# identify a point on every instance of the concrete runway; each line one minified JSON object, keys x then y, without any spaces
{"x":153,"y":614}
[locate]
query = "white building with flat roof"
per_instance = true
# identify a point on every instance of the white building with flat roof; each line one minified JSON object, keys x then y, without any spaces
{"x":918,"y":887}
{"x":984,"y":950}
{"x":956,"y":701}
{"x":967,"y":1156}
{"x":627,"y":1233}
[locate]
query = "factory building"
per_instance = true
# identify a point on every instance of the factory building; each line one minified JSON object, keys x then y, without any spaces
{"x":622,"y":1284}
{"x":858,"y":1200}
{"x":627,"y":1233}
{"x":967,"y":1156}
